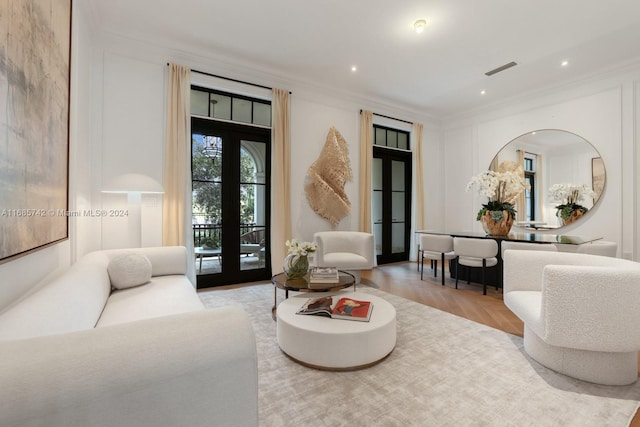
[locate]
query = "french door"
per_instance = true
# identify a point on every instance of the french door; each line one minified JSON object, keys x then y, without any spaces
{"x":230,"y":200}
{"x":391,"y":204}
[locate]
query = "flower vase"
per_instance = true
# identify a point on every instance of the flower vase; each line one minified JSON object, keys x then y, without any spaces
{"x":295,"y":266}
{"x":497,"y":223}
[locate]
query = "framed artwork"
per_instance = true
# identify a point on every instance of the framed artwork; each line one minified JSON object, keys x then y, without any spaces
{"x":597,"y":177}
{"x":35,"y":53}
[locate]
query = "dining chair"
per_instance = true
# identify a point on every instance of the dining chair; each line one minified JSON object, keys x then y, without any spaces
{"x":475,"y":253}
{"x":436,"y":248}
{"x":599,"y":247}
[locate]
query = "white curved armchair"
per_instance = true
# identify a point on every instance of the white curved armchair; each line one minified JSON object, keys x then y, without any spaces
{"x":580,"y":312}
{"x":351,"y":251}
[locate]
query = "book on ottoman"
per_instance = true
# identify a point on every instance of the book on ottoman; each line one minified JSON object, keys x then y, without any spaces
{"x":344,"y":308}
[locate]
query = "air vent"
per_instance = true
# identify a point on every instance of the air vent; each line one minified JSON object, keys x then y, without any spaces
{"x":501,"y":68}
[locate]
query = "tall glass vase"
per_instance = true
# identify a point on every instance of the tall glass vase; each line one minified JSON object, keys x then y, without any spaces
{"x":295,"y":266}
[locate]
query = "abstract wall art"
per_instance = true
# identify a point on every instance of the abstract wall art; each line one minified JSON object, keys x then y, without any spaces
{"x":35,"y":53}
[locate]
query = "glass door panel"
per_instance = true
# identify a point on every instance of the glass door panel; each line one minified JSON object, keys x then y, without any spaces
{"x":398,"y":202}
{"x":391,"y":203}
{"x":376,"y":203}
{"x":230,"y":202}
{"x":252,"y":205}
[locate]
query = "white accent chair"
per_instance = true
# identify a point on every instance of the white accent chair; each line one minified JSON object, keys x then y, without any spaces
{"x":580,"y":312}
{"x":599,"y":247}
{"x":475,"y":253}
{"x":436,"y":248}
{"x":351,"y":251}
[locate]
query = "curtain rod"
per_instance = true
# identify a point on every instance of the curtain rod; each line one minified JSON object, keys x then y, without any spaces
{"x":392,"y":118}
{"x":230,"y":79}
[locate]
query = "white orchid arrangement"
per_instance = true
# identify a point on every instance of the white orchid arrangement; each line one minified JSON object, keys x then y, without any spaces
{"x":502,"y":189}
{"x":301,"y":248}
{"x":569,"y":196}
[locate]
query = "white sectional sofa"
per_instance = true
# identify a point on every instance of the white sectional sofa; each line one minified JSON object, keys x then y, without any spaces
{"x":76,"y":352}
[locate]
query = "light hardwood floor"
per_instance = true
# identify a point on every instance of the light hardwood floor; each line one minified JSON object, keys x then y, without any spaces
{"x":467,"y":301}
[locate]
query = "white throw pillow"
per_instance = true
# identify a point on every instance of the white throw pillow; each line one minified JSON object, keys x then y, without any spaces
{"x":129,"y":270}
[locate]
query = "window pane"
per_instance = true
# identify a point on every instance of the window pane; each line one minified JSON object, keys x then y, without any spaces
{"x":392,"y":139}
{"x":252,"y":159}
{"x":403,"y":141}
{"x":261,"y":114}
{"x":252,"y":248}
{"x":397,"y":208}
{"x":241,"y":110}
{"x":377,"y":237}
{"x":207,"y":204}
{"x":376,"y":206}
{"x":397,"y":238}
{"x":376,"y":174}
{"x":397,"y":176}
{"x":221,"y":108}
{"x":380,"y":137}
{"x":199,"y":103}
{"x":206,"y":157}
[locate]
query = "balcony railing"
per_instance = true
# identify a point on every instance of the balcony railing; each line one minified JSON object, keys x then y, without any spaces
{"x":212,"y":233}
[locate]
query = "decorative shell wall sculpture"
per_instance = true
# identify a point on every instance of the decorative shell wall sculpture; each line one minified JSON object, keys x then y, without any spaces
{"x":327,"y":176}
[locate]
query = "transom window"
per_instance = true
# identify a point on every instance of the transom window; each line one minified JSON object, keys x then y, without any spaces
{"x":231,"y":107}
{"x":391,"y":138}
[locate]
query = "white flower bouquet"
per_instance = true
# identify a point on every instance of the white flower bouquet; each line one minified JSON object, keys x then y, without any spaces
{"x":301,"y":248}
{"x":569,"y":196}
{"x":502,"y":189}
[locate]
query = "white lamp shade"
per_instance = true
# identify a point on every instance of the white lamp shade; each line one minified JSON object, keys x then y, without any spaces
{"x":133,"y":183}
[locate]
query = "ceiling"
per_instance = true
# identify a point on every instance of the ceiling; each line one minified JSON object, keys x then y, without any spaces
{"x":439,"y":72}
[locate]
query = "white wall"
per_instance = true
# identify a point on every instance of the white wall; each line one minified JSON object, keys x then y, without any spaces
{"x":22,"y":274}
{"x":600,"y":111}
{"x":128,"y":129}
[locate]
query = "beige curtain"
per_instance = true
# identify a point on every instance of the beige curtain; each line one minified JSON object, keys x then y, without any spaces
{"x":539,"y":189}
{"x":281,"y":169}
{"x":176,"y":208}
{"x":366,"y":156}
{"x":521,"y":202}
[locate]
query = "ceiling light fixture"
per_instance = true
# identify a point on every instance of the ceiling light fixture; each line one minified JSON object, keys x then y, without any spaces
{"x":419,"y":25}
{"x":482,"y":92}
{"x":354,"y":68}
{"x":564,"y":63}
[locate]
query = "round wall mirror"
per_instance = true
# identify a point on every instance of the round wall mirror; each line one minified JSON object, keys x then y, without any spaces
{"x":563,"y":169}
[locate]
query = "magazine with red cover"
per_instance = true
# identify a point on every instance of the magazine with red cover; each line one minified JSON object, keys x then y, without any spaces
{"x":352,"y":309}
{"x":345,"y":308}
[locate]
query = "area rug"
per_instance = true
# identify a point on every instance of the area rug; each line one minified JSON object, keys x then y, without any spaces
{"x":444,"y":371}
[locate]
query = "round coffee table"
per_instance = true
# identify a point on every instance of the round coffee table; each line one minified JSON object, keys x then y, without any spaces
{"x":280,"y":281}
{"x":334,"y":344}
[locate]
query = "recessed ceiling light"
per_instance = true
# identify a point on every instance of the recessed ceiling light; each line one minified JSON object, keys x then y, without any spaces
{"x":354,"y":68}
{"x":564,"y":63}
{"x":482,"y":92}
{"x":419,"y":25}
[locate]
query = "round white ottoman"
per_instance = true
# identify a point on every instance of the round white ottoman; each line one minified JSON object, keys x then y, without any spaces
{"x":335,"y":344}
